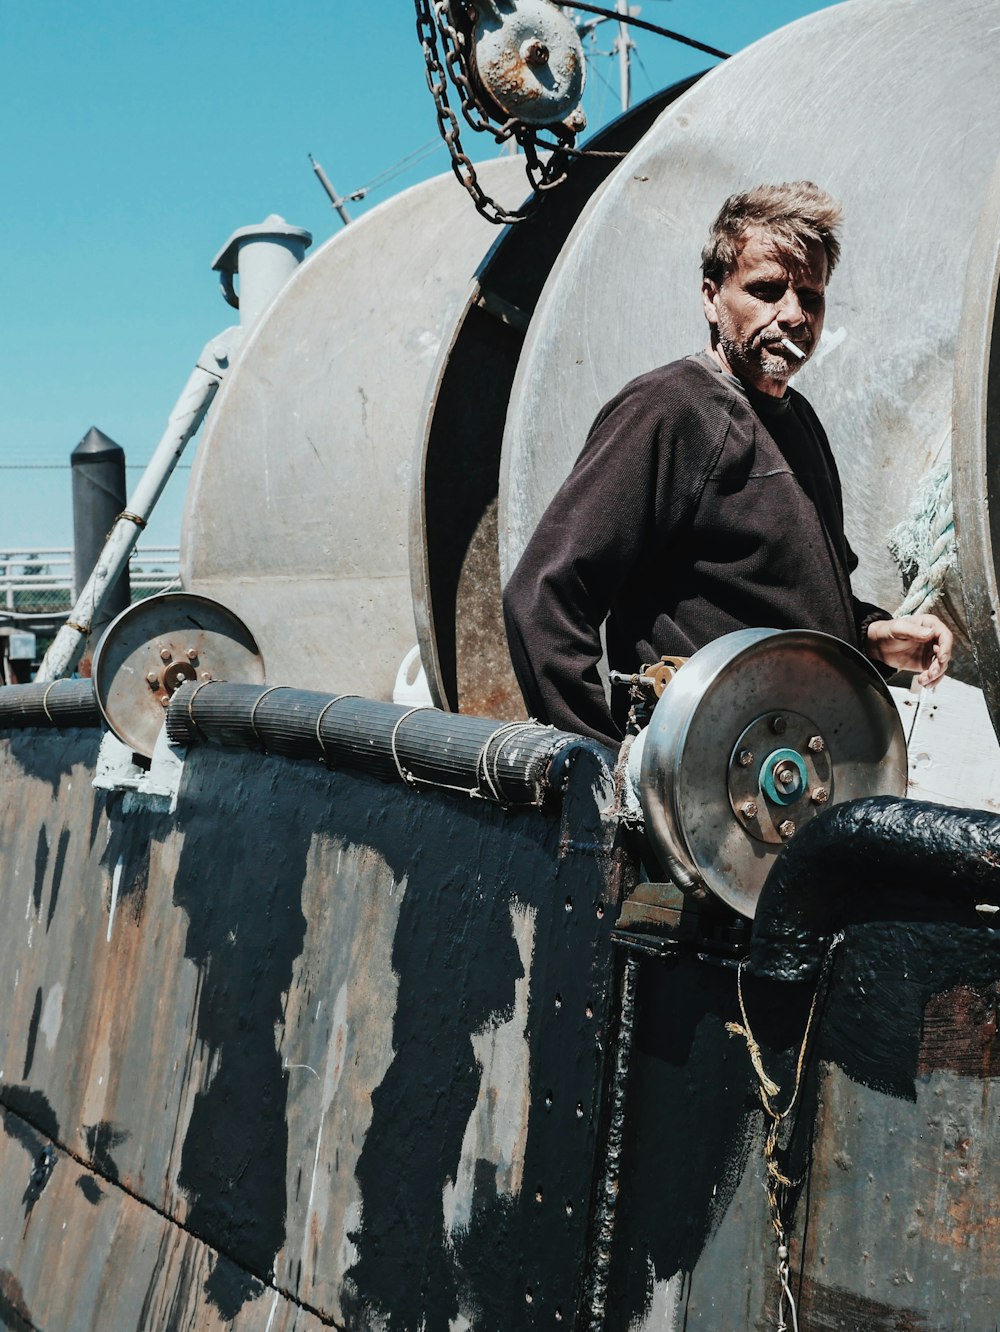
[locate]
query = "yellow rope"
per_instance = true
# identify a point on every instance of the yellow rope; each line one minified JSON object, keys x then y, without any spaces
{"x":768,"y":1089}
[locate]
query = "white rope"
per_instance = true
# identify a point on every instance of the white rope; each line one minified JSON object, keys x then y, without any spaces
{"x":253,"y":713}
{"x":45,"y":701}
{"x":509,"y":732}
{"x":190,"y":708}
{"x":487,"y":764}
{"x":785,"y":1293}
{"x":926,"y":540}
{"x":404,"y":773}
{"x":325,"y":758}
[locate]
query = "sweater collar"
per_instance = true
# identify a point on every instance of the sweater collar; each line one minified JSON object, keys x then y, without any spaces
{"x":764,"y":404}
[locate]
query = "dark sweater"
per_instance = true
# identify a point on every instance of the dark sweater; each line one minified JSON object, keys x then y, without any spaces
{"x":696,"y":507}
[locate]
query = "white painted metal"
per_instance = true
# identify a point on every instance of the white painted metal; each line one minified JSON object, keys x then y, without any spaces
{"x":265,"y":256}
{"x":623,"y":45}
{"x":954,"y":757}
{"x":894,"y":106}
{"x":187,"y":415}
{"x":298,"y":505}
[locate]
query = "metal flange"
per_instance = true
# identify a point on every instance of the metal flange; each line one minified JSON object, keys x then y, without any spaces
{"x":757,"y":733}
{"x":155,"y":646}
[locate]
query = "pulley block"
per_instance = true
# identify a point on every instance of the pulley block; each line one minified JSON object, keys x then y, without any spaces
{"x":153,"y":647}
{"x":753,"y":737}
{"x":528,"y":59}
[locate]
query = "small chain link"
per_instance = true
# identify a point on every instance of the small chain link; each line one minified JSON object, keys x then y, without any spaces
{"x":438,"y":31}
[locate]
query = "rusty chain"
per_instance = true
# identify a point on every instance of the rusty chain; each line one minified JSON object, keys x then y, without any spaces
{"x":435,"y":23}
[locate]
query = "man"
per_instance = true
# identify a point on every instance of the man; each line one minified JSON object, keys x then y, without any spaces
{"x":706,"y":498}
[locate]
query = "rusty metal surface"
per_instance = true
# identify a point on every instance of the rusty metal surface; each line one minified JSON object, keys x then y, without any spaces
{"x":893,"y":1144}
{"x":297,"y":506}
{"x":529,"y":60}
{"x":155,"y":646}
{"x":79,"y":1252}
{"x":341,"y":1032}
{"x":894,"y":106}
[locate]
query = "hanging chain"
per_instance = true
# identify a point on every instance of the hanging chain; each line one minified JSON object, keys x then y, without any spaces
{"x":434,"y":22}
{"x":779,"y":1186}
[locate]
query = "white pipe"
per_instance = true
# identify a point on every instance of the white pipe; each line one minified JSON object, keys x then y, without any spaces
{"x":68,"y":645}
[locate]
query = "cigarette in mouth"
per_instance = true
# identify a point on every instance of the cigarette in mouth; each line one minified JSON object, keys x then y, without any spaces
{"x":797,"y":352}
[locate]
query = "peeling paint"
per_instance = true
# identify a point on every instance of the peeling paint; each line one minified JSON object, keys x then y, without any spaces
{"x":498,"y":1125}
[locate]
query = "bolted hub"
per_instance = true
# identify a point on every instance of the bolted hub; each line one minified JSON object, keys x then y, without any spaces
{"x":777,"y":771}
{"x":535,"y":53}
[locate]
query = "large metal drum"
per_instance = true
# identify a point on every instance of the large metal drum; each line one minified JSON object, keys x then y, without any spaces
{"x":892,"y":105}
{"x":297,"y":512}
{"x":453,"y":546}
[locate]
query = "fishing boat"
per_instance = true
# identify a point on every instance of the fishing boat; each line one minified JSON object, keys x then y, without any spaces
{"x":340,"y":993}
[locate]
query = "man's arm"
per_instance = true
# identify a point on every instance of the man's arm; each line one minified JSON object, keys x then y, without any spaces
{"x":588,"y":542}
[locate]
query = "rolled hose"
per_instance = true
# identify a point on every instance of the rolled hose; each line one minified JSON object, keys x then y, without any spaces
{"x":872,"y":859}
{"x":58,"y":704}
{"x":510,"y":763}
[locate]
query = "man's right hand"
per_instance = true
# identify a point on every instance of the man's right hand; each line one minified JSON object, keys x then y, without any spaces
{"x":912,"y":643}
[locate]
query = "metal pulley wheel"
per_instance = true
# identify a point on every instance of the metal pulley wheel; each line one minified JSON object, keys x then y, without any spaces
{"x":155,"y":646}
{"x":756,"y":734}
{"x":528,"y":59}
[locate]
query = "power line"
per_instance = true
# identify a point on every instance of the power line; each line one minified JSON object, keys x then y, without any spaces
{"x":641,"y":23}
{"x":67,"y":467}
{"x":390,"y":173}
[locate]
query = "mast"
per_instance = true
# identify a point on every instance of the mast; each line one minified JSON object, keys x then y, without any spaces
{"x":624,"y":45}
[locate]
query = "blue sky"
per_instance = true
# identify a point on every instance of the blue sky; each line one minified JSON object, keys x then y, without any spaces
{"x":137,"y":138}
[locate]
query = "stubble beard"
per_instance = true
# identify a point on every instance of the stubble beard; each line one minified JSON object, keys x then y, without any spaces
{"x":753,"y":358}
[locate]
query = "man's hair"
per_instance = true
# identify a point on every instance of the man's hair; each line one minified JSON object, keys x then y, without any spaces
{"x":793,"y":214}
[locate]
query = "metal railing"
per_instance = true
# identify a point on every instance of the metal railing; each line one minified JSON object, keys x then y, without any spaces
{"x":40,"y":582}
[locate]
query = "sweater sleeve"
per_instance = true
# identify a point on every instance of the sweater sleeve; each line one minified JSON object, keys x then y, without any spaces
{"x":865,"y":614}
{"x":591,"y":538}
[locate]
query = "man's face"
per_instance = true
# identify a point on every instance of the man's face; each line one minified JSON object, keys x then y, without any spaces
{"x":768,"y":296}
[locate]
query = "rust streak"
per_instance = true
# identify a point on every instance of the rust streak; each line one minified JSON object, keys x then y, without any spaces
{"x":831,"y":1309}
{"x":960,"y":1032}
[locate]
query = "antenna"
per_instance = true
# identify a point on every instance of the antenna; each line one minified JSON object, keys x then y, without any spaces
{"x":623,"y":45}
{"x":334,"y":197}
